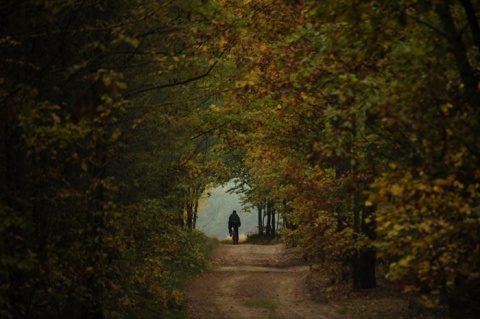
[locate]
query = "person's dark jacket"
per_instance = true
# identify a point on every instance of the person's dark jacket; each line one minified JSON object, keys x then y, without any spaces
{"x":234,"y":220}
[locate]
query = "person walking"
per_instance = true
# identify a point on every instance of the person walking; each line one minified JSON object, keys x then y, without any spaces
{"x":233,"y":224}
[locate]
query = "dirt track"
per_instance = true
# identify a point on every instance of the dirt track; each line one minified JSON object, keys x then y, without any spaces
{"x":254,"y":281}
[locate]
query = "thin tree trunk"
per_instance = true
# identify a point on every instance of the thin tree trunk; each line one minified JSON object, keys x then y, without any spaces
{"x":272,"y":229}
{"x":195,"y":215}
{"x":472,"y":21}
{"x":470,"y":81}
{"x":189,"y":215}
{"x":260,"y":220}
{"x":269,"y":217}
{"x":356,"y":258}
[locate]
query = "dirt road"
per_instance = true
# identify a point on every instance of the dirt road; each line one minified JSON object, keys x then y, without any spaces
{"x":255,"y":281}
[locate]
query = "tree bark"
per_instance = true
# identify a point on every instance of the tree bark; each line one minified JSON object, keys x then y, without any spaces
{"x":369,"y":256}
{"x":272,"y":229}
{"x":189,"y":215}
{"x":464,"y":300}
{"x":364,"y":261}
{"x":459,"y":52}
{"x":356,"y":258}
{"x":472,"y":21}
{"x":195,"y":215}
{"x":260,"y":219}
{"x":269,"y":217}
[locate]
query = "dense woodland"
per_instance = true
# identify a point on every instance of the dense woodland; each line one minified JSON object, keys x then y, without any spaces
{"x":356,"y":121}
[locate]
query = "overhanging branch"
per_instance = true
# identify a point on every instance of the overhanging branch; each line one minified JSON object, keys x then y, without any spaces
{"x":178,"y":83}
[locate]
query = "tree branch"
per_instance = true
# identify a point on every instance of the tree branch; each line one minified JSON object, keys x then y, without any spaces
{"x":183,"y":82}
{"x":459,"y":53}
{"x":428,"y":25}
{"x":472,"y":21}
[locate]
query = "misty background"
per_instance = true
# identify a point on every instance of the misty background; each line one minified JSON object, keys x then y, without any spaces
{"x":214,"y":210}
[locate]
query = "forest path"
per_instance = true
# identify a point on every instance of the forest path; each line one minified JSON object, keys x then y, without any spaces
{"x":255,"y":281}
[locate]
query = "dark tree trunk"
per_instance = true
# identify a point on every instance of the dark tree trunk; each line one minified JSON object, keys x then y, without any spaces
{"x":189,"y":215}
{"x":356,"y":258}
{"x":195,"y":215}
{"x":464,"y":300}
{"x":368,"y":261}
{"x":92,"y":308}
{"x":458,"y":50}
{"x":369,"y":257}
{"x":472,"y":21}
{"x":269,"y":217}
{"x":363,"y":261}
{"x":272,"y":229}
{"x":342,"y":167}
{"x":260,"y":219}
{"x":13,"y":167}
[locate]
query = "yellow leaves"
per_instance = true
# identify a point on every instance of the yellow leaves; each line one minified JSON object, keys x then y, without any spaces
{"x":177,"y":296}
{"x":214,"y":108}
{"x":56,"y":118}
{"x":249,"y":79}
{"x":371,"y":138}
{"x":446,"y":107}
{"x":240,"y":84}
{"x":116,"y":135}
{"x":84,"y":165}
{"x":396,"y":190}
{"x":395,"y":230}
{"x":458,"y":184}
{"x":409,"y":288}
{"x":392,"y":165}
{"x":406,"y":261}
{"x":137,"y":122}
{"x":427,"y":227}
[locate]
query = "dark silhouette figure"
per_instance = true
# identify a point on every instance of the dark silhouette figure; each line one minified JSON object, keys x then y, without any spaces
{"x":233,"y":224}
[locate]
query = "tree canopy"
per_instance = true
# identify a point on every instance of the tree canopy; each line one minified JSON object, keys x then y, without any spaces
{"x":356,"y":121}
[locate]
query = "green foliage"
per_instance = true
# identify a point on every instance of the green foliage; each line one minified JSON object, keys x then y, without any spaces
{"x":110,"y":111}
{"x":97,"y":164}
{"x":353,"y":106}
{"x":431,"y":227}
{"x":256,"y":239}
{"x":158,"y":257}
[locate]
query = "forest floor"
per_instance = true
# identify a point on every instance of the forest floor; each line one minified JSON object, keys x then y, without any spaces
{"x":270,"y":281}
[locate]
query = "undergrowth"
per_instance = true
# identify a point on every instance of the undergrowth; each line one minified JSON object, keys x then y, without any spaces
{"x":197,"y":260}
{"x":256,"y":239}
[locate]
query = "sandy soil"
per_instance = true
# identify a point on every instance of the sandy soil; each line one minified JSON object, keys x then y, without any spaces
{"x":255,"y":281}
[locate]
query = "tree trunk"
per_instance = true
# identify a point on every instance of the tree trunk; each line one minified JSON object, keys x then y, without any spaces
{"x":342,"y":167}
{"x":93,"y":308}
{"x":472,"y":21}
{"x":269,"y":217}
{"x":189,"y":215}
{"x":464,"y":300}
{"x":458,"y":50}
{"x":195,"y":215}
{"x":260,"y":220}
{"x":272,"y":229}
{"x":364,"y":261}
{"x":356,"y":258}
{"x":369,"y":257}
